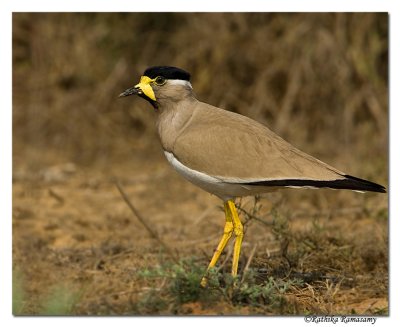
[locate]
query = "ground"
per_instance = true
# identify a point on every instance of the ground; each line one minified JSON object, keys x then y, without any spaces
{"x":79,"y":249}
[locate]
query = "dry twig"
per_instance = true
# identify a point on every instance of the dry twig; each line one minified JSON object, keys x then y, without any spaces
{"x":246,"y":268}
{"x":152,"y":233}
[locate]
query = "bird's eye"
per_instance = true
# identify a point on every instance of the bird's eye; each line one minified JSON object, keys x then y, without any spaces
{"x":160,"y":80}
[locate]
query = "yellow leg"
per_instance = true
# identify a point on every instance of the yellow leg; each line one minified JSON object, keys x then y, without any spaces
{"x":232,"y":225}
{"x":228,"y":231}
{"x":238,"y":230}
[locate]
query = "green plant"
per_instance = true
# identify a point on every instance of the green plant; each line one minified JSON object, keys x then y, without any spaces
{"x":60,"y":301}
{"x":182,"y":285}
{"x":18,"y":293}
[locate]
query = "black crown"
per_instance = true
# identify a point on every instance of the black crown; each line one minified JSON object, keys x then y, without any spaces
{"x":167,"y":72}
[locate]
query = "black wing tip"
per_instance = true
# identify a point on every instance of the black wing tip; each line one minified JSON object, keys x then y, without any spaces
{"x":347,"y":183}
{"x":364,"y":185}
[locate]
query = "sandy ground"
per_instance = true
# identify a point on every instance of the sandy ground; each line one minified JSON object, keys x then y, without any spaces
{"x":72,"y":230}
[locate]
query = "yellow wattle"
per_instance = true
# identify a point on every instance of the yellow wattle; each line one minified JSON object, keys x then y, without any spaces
{"x":145,"y":87}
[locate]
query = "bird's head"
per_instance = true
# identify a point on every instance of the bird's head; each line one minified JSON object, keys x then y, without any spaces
{"x":161,"y":84}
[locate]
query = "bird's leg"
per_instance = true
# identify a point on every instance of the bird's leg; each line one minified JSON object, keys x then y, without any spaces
{"x":238,"y":230}
{"x":228,"y":231}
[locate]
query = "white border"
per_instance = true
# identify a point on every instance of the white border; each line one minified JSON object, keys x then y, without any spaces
{"x":8,"y":6}
{"x":205,"y":5}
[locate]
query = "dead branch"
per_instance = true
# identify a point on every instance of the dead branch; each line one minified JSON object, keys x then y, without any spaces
{"x":152,"y":233}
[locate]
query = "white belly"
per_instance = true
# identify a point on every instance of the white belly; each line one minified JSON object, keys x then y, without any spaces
{"x":211,"y":184}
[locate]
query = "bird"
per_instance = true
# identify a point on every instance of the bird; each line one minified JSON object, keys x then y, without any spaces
{"x":228,"y":154}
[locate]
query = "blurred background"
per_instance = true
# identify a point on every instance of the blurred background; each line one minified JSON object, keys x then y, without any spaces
{"x":319,"y":80}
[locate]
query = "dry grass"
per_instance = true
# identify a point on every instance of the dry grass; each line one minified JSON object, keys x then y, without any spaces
{"x":326,"y":74}
{"x":319,"y":80}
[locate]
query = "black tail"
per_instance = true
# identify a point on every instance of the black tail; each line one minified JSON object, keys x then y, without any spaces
{"x":349,"y":183}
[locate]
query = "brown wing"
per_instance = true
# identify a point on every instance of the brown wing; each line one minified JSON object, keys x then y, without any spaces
{"x":235,"y":147}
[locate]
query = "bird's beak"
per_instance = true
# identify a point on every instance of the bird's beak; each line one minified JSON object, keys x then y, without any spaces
{"x":130,"y":91}
{"x":142,"y":89}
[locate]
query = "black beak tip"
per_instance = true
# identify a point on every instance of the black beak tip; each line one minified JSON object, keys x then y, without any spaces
{"x":128,"y":92}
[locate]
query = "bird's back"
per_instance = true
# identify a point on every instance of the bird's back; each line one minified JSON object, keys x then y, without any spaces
{"x":238,"y":148}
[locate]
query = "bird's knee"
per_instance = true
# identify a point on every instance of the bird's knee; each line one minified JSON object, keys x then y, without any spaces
{"x":228,"y":229}
{"x":238,"y":230}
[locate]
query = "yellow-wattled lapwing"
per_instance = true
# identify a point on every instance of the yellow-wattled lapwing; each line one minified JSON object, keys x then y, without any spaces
{"x":228,"y":154}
